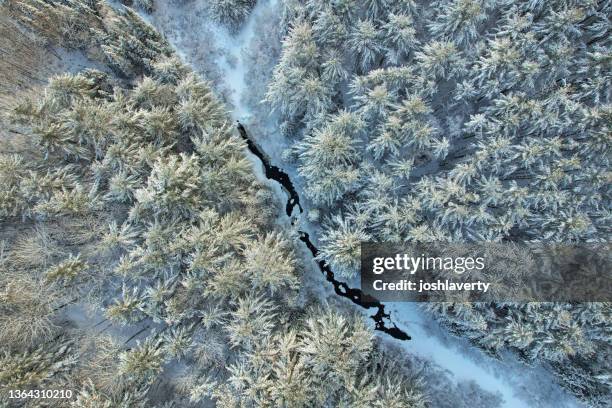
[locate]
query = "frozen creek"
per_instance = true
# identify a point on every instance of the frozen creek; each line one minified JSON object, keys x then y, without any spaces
{"x":272,"y":172}
{"x":518,"y":385}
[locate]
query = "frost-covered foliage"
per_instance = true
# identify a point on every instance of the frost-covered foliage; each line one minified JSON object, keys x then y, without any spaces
{"x":329,"y":359}
{"x":67,"y":22}
{"x":187,"y":223}
{"x":458,"y":120}
{"x":35,"y":366}
{"x":490,"y":138}
{"x":135,"y":198}
{"x":231,"y":12}
{"x":121,"y":39}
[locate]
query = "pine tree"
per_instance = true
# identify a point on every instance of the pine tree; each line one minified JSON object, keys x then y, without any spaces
{"x":66,"y":270}
{"x":173,"y":187}
{"x":251,"y":321}
{"x":335,"y":346}
{"x":231,"y":12}
{"x":270,"y":263}
{"x":142,"y":363}
{"x":341,"y":246}
{"x":440,"y":59}
{"x":35,"y":367}
{"x":400,"y":37}
{"x":364,"y":41}
{"x":459,"y":20}
{"x":128,"y":309}
{"x":375,"y":104}
{"x":13,"y":170}
{"x":328,"y":157}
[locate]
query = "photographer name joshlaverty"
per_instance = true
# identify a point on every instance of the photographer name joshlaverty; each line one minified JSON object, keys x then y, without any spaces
{"x":423,"y":286}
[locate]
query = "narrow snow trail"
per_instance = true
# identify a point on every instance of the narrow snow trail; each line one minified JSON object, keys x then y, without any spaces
{"x":519,"y":385}
{"x":234,"y":71}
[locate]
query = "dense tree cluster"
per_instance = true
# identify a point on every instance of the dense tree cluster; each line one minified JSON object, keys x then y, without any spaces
{"x":155,"y":161}
{"x":120,"y":39}
{"x":465,"y":120}
{"x":477,"y":116}
{"x":136,"y":198}
{"x":328,"y":359}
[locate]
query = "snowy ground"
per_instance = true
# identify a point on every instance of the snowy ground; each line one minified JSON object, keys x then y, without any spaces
{"x":518,"y":384}
{"x":87,"y":319}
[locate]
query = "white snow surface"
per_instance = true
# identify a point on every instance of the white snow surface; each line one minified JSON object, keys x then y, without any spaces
{"x":234,"y":68}
{"x":519,"y":385}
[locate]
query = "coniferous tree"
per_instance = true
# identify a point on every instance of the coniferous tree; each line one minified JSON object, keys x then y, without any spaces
{"x":231,"y":12}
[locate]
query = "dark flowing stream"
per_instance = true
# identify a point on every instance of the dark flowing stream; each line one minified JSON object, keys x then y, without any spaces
{"x":382,"y":319}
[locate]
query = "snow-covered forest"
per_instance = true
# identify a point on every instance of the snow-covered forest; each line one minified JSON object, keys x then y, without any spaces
{"x":146,"y":257}
{"x":462,"y":120}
